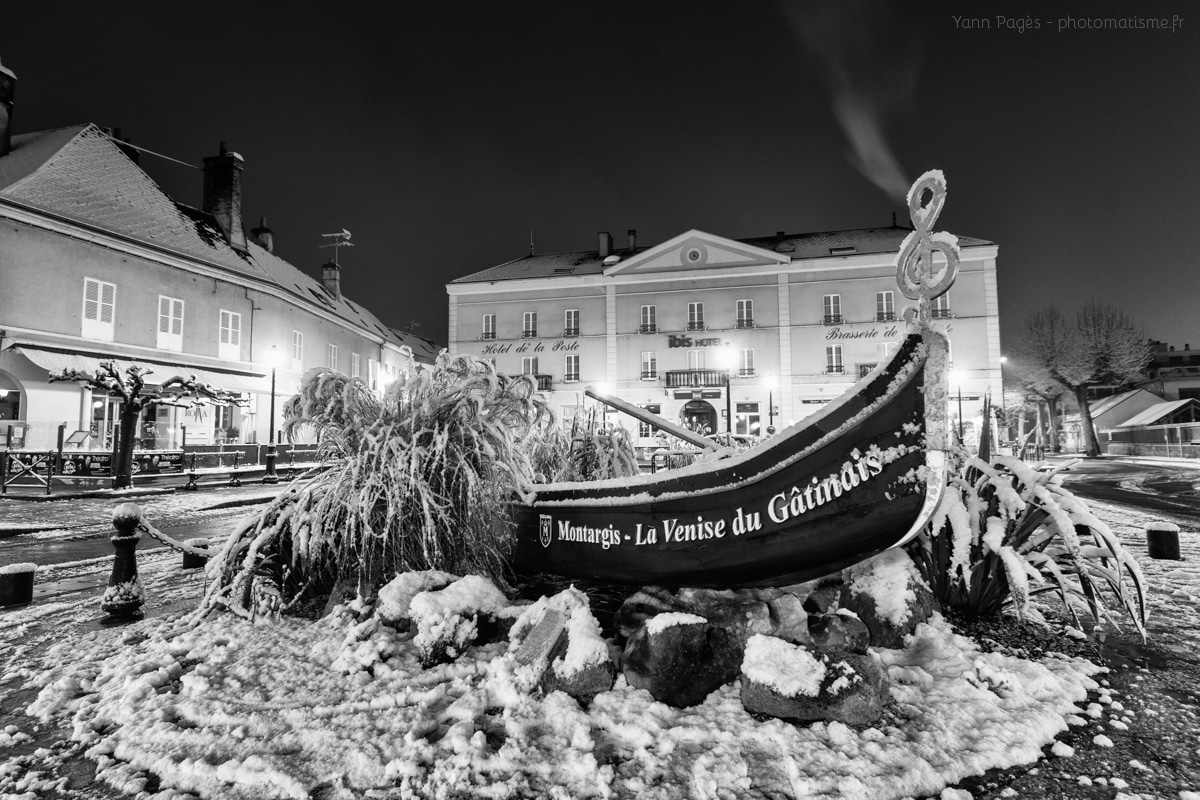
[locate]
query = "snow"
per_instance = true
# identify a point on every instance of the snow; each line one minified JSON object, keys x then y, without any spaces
{"x":786,"y":668}
{"x":661,"y":622}
{"x":888,"y":579}
{"x":397,"y":594}
{"x":16,"y":569}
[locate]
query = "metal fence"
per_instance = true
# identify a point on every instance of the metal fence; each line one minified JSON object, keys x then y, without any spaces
{"x":1180,"y":440}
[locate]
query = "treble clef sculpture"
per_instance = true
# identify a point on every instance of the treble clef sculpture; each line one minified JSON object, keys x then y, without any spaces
{"x":917,"y":274}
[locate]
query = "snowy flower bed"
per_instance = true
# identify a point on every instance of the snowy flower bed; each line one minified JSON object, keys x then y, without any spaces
{"x":232,"y":710}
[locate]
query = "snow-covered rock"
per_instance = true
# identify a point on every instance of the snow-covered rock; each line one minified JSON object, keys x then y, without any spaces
{"x":579,"y":662}
{"x":887,"y":593}
{"x":742,"y":612}
{"x":783,"y":680}
{"x":396,"y":595}
{"x":447,"y":620}
{"x":681,"y":658}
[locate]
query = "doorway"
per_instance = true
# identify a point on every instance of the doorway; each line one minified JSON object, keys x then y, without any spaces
{"x":699,"y":416}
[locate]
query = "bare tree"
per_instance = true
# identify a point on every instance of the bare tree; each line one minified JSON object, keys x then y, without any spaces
{"x":1100,"y":346}
{"x":136,"y":397}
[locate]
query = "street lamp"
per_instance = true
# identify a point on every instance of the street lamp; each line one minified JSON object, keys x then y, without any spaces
{"x":270,"y":476}
{"x":727,"y":357}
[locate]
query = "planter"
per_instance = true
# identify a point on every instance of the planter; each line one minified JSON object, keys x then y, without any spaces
{"x":16,"y":584}
{"x":1162,"y":541}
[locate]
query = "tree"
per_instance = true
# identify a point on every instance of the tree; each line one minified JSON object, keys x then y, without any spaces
{"x":1100,"y":346}
{"x":135,"y":397}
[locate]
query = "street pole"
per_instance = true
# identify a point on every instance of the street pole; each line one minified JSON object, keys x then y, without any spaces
{"x":960,"y":417}
{"x":771,"y":407}
{"x":270,"y":476}
{"x":728,"y":410}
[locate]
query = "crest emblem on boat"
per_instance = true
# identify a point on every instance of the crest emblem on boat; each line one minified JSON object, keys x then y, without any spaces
{"x":544,"y":530}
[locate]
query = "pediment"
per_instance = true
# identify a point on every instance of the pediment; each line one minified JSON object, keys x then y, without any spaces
{"x":696,"y":251}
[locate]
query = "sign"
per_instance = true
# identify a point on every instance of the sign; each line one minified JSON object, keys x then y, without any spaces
{"x":531,"y":346}
{"x":675,"y":340}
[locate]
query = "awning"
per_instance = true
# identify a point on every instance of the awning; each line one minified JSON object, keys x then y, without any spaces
{"x":53,"y":360}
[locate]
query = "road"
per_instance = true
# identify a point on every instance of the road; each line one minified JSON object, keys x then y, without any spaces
{"x":1166,"y":488}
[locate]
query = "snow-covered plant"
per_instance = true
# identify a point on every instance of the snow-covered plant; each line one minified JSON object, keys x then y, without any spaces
{"x":599,"y":453}
{"x":423,"y":481}
{"x":1006,"y":532}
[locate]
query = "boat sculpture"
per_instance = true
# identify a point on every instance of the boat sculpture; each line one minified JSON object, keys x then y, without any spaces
{"x":863,"y":475}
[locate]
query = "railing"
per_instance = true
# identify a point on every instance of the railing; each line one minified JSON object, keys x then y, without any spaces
{"x":570,"y":332}
{"x":942,"y":313}
{"x":652,"y":375}
{"x":696,"y":326}
{"x":745,"y":323}
{"x":747,"y":372}
{"x":835,"y":370}
{"x":693,"y":378}
{"x":529,"y":334}
{"x":648,"y":328}
{"x":885,"y":316}
{"x":488,"y":335}
{"x":832,"y":319}
{"x":544,"y":382}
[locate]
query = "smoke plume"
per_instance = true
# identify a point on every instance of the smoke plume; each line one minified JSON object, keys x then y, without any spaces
{"x":869,"y":66}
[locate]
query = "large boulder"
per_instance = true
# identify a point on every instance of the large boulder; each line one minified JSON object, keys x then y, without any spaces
{"x":742,"y":612}
{"x":888,"y":593}
{"x":681,"y":658}
{"x":787,"y":681}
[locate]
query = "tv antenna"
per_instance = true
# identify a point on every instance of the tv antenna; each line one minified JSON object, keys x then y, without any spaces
{"x":340,"y":240}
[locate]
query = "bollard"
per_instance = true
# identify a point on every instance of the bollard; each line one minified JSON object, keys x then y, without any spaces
{"x":1162,"y":540}
{"x":191,"y":560}
{"x":235,"y":480}
{"x":191,"y":484}
{"x":124,"y":596}
{"x":16,"y":584}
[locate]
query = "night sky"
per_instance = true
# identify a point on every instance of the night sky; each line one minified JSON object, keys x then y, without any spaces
{"x":440,"y":134}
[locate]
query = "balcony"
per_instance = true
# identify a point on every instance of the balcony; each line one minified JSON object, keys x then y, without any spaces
{"x":487,"y":335}
{"x":745,"y":323}
{"x":942,"y":313}
{"x":529,"y":334}
{"x":651,"y":375}
{"x":695,"y":378}
{"x":544,"y":382}
{"x":833,"y":319}
{"x":696,"y":326}
{"x":651,"y":328}
{"x":885,"y":316}
{"x":570,"y":332}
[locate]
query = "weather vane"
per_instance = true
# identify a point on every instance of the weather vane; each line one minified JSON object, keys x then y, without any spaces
{"x":917,"y":275}
{"x":340,"y":240}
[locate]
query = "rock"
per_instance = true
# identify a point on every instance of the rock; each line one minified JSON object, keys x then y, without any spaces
{"x":790,"y":682}
{"x":448,"y":620}
{"x":680,"y":659}
{"x":888,"y":593}
{"x":825,"y":599}
{"x":647,"y":602}
{"x":396,"y":596}
{"x":560,"y":640}
{"x":789,"y":620}
{"x":838,"y":632}
{"x":742,"y":613}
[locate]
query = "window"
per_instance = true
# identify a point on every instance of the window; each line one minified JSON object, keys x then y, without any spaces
{"x":571,"y":368}
{"x":885,"y":306}
{"x":297,"y":349}
{"x":529,"y":328}
{"x":695,"y":359}
{"x":649,"y":365}
{"x":489,"y":327}
{"x":649,"y":325}
{"x":229,"y":345}
{"x":529,"y":365}
{"x":746,"y":362}
{"x":331,"y":356}
{"x":355,"y":366}
{"x":571,"y":322}
{"x":865,"y":369}
{"x":833,"y":359}
{"x":695,"y":316}
{"x":833,"y":309}
{"x":170,"y":324}
{"x":941,"y":306}
{"x":747,"y":420}
{"x":99,"y":298}
{"x":645,"y":429}
{"x":372,"y":374}
{"x":884,"y":350}
{"x":745,"y":313}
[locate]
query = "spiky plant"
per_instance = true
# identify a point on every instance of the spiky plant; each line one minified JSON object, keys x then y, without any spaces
{"x":597,"y":453}
{"x":1006,"y":532}
{"x":423,"y":480}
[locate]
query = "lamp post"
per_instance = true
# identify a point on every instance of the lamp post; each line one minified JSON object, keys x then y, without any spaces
{"x":727,"y":355}
{"x":270,"y":475}
{"x":770,"y":379}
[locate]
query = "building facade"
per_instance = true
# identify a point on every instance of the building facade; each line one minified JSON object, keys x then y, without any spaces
{"x":97,"y":264}
{"x":721,"y":334}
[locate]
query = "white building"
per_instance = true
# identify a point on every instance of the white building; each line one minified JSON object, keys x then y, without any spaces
{"x":770,"y":328}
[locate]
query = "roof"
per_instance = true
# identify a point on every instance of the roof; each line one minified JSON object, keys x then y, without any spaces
{"x":424,"y":350}
{"x":1107,"y":404}
{"x":797,"y":246}
{"x":1155,"y":413}
{"x":79,"y":173}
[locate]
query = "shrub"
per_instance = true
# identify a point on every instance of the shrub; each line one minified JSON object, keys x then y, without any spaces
{"x":421,"y":480}
{"x":1006,"y":532}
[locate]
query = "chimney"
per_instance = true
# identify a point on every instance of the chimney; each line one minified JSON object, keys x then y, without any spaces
{"x":632,"y":239}
{"x":605,"y":244}
{"x":331,"y":278}
{"x":8,"y":85}
{"x":123,"y":144}
{"x":263,"y":236}
{"x":223,"y":195}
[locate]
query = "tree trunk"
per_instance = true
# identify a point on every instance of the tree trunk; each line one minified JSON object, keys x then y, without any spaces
{"x":1091,"y":447}
{"x":1052,"y":419}
{"x":123,"y":469}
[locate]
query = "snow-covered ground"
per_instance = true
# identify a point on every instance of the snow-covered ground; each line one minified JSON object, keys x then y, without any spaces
{"x":229,"y":709}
